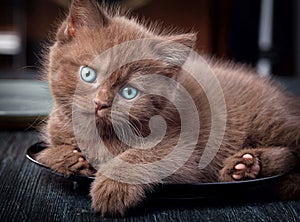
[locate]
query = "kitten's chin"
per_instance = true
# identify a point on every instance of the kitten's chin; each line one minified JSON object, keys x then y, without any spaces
{"x":102,"y":116}
{"x":102,"y":113}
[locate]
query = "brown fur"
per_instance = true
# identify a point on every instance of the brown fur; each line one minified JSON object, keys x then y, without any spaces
{"x":262,"y":120}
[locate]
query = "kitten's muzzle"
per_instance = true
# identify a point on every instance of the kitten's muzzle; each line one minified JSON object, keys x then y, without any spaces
{"x":100,"y":106}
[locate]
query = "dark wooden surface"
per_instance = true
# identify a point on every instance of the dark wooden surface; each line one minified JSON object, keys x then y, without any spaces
{"x":29,"y":193}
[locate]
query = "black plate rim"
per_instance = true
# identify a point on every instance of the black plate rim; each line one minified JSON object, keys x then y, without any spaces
{"x":29,"y":156}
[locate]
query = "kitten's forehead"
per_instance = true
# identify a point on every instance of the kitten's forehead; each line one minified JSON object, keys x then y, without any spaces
{"x":121,"y":29}
{"x":91,"y":43}
{"x":126,"y":61}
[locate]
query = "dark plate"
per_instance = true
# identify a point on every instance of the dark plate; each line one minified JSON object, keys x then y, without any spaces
{"x":250,"y":189}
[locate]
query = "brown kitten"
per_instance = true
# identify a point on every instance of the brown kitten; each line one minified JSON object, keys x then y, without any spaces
{"x":262,"y":130}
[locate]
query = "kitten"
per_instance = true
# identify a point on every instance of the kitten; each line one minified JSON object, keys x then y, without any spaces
{"x":261,"y":122}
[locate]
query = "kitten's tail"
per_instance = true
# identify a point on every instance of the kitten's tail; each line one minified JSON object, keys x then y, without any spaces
{"x":289,"y":186}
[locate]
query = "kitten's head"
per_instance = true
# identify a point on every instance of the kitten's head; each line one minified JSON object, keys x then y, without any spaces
{"x":88,"y":70}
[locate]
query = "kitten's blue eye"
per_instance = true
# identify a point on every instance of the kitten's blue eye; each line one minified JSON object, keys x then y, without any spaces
{"x":128,"y":92}
{"x":88,"y":74}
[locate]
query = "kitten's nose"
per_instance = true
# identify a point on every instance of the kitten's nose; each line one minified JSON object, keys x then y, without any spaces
{"x":99,"y":105}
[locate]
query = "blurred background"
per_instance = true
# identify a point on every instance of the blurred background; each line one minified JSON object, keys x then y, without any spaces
{"x":226,"y":28}
{"x":262,"y":33}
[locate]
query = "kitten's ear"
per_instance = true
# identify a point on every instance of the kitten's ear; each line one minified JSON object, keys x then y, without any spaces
{"x":176,"y":49}
{"x":82,"y":13}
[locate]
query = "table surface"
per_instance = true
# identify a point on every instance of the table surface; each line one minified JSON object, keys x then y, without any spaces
{"x":29,"y":193}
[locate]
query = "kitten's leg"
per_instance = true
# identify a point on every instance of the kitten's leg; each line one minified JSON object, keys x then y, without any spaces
{"x":114,"y":198}
{"x":66,"y":159}
{"x":115,"y":195}
{"x":257,"y":162}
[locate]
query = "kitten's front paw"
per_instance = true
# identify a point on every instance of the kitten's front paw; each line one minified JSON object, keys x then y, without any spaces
{"x":240,"y":167}
{"x":113,"y":198}
{"x":66,"y":160}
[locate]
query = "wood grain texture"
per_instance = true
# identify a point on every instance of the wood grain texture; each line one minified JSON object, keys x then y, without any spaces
{"x":29,"y":193}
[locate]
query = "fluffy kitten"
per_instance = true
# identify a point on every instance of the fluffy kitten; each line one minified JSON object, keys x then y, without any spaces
{"x":262,"y":131}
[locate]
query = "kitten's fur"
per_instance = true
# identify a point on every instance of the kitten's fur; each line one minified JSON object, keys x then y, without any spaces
{"x":263,"y":122}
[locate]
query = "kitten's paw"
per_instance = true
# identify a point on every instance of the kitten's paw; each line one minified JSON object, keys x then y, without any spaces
{"x":66,"y":160}
{"x":113,"y":198}
{"x":240,"y":167}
